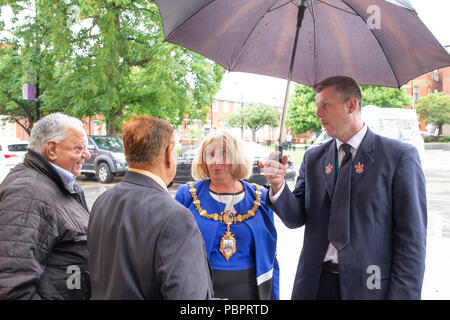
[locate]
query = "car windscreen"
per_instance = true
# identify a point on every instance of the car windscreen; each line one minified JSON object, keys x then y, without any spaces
{"x":113,"y":144}
{"x":19,"y":147}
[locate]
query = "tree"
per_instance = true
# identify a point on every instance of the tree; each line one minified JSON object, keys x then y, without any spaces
{"x":113,"y":61}
{"x":435,"y":108}
{"x":301,"y":115}
{"x":254,"y":117}
{"x":27,"y":57}
{"x":385,"y":97}
{"x":237,"y":120}
{"x":11,"y":102}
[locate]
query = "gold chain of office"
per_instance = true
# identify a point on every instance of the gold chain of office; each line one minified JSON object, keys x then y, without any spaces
{"x":220,"y":217}
{"x":228,"y":241}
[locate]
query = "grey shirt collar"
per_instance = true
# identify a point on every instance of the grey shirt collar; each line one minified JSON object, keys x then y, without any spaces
{"x":67,"y":177}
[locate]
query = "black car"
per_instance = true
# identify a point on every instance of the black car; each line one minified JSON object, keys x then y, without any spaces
{"x":107,"y":158}
{"x":259,"y":153}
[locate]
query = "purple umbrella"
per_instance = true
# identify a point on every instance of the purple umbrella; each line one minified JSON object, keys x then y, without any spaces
{"x":377,"y":42}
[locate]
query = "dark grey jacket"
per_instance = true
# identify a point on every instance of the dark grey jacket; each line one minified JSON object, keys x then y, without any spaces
{"x":143,"y":244}
{"x":43,"y":225}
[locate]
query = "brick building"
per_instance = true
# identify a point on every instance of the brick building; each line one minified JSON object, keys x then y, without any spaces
{"x":431,"y":82}
{"x":13,"y":130}
{"x":220,"y":111}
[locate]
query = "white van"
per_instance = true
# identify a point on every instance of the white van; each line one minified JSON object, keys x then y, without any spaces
{"x":396,"y":123}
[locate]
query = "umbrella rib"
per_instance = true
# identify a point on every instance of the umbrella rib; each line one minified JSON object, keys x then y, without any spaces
{"x":273,"y":9}
{"x":254,"y":27}
{"x":325,"y":3}
{"x":379,"y":43}
{"x":186,"y":20}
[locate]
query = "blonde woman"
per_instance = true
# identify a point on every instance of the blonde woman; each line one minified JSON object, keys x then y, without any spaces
{"x":235,"y":222}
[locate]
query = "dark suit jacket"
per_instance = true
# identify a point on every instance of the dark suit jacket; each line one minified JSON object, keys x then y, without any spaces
{"x":143,"y":244}
{"x":388,"y":218}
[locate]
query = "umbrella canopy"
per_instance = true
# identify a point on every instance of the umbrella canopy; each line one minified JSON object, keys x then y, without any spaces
{"x":377,"y":42}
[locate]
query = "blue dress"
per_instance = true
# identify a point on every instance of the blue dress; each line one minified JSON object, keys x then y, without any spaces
{"x":255,"y":237}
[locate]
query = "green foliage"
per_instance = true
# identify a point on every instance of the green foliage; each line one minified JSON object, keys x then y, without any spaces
{"x":428,"y":139}
{"x":103,"y":57}
{"x":258,"y":115}
{"x":195,"y":133}
{"x":301,"y":115}
{"x":254,"y":117}
{"x":385,"y":97}
{"x":435,"y":108}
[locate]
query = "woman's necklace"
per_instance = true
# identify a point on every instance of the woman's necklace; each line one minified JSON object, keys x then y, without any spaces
{"x":228,"y":241}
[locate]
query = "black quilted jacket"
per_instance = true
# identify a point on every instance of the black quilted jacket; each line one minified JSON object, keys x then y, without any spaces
{"x":43,"y":224}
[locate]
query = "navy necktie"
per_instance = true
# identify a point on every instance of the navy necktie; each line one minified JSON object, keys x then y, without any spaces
{"x":339,"y":224}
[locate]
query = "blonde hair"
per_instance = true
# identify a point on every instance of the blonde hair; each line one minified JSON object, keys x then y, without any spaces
{"x":241,"y":165}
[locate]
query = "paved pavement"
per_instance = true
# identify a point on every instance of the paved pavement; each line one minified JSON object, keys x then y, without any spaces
{"x":436,"y":285}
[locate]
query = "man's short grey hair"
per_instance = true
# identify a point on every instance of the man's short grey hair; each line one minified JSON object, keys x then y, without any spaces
{"x":51,"y":127}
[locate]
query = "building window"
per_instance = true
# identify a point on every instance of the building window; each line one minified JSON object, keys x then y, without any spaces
{"x":416,"y":94}
{"x":435,"y":75}
{"x":226,"y":107}
{"x":215,"y":106}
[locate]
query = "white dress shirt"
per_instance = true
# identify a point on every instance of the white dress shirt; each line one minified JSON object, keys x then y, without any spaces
{"x":354,"y":142}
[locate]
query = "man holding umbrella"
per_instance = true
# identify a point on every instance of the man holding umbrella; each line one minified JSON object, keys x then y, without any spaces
{"x":362,"y":200}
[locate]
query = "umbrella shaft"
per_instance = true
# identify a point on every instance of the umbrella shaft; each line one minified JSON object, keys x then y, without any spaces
{"x":301,"y":12}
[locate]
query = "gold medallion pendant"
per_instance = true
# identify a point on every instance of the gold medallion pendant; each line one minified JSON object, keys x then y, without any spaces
{"x":228,"y":241}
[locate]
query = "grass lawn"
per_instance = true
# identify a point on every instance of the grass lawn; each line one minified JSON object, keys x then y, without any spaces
{"x":296,"y":156}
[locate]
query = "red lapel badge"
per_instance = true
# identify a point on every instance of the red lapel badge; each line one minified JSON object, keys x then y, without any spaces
{"x":328,"y":168}
{"x":359,"y":168}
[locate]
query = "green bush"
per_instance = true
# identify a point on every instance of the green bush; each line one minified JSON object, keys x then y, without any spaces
{"x":436,"y":139}
{"x":430,"y":139}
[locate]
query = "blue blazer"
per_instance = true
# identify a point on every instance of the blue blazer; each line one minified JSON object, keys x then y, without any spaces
{"x":388,"y":218}
{"x":261,"y":225}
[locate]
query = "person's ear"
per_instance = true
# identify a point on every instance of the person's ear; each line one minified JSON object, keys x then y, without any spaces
{"x":50,"y":150}
{"x":352,"y":104}
{"x":169,"y":151}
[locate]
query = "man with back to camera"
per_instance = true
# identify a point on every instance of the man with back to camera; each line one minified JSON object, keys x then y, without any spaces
{"x":44,"y":216}
{"x":143,"y":244}
{"x":362,"y":200}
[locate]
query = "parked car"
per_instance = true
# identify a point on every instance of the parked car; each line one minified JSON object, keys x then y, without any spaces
{"x":12,"y":152}
{"x":396,"y":123}
{"x":107,"y":158}
{"x":257,"y":151}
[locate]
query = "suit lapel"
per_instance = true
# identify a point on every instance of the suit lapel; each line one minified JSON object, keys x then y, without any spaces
{"x":363,"y":161}
{"x":328,"y":167}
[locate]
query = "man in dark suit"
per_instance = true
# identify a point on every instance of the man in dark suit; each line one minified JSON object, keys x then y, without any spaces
{"x":142,"y":243}
{"x":362,"y":200}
